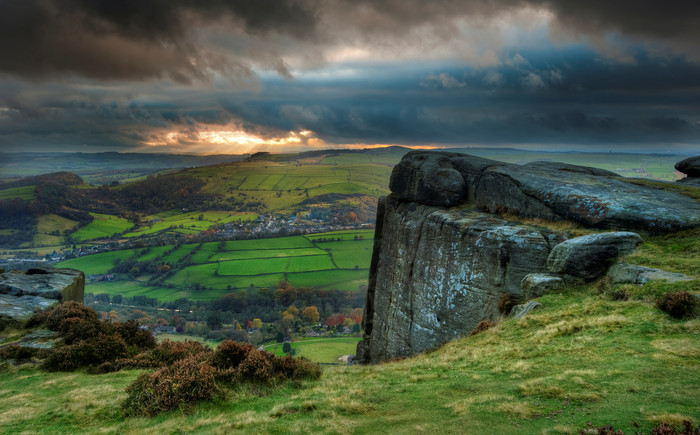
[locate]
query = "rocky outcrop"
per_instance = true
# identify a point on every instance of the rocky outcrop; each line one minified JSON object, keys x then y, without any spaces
{"x":38,"y":288}
{"x":442,"y":259}
{"x":589,"y":257}
{"x":691,"y":168}
{"x":624,"y":273}
{"x":437,"y":272}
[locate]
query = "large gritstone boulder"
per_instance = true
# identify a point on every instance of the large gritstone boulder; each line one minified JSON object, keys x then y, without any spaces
{"x":689,"y":166}
{"x":589,"y":257}
{"x":438,"y":272}
{"x":428,"y":178}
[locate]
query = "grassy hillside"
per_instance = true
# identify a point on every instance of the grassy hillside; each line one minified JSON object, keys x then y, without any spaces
{"x":581,"y":360}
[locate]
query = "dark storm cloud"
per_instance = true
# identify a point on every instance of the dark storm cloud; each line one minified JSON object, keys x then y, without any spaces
{"x":101,"y":72}
{"x":146,"y":39}
{"x":134,"y":39}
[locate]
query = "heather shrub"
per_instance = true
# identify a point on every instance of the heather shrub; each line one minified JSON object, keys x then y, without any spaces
{"x":56,"y":315}
{"x":256,"y":367}
{"x":678,"y":304}
{"x":186,"y":382}
{"x":296,"y":368}
{"x":482,"y":326}
{"x":74,"y":329}
{"x":17,"y":352}
{"x":135,"y":336}
{"x":93,"y":351}
{"x":165,"y":353}
{"x":87,"y":340}
{"x":230,"y":354}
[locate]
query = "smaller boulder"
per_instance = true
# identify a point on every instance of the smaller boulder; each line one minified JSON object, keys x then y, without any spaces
{"x":624,"y":273}
{"x":427,"y":178}
{"x":520,"y":311}
{"x":689,"y":166}
{"x":589,"y":257}
{"x":535,"y":285}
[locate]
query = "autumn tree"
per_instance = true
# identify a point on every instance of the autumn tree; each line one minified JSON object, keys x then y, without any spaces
{"x":294,"y":311}
{"x":310,"y":314}
{"x":335,"y":319}
{"x":356,"y":315}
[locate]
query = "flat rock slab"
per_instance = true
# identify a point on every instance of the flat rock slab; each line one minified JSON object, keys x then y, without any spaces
{"x":589,"y":257}
{"x":49,"y":283}
{"x":624,"y":273}
{"x":22,"y":307}
{"x":557,"y":192}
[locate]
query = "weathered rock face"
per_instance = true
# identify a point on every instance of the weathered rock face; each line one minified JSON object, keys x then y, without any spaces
{"x":438,"y":272}
{"x":597,"y":201}
{"x":21,"y":293}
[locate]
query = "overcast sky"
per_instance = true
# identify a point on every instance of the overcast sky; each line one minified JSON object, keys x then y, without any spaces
{"x":217,"y":76}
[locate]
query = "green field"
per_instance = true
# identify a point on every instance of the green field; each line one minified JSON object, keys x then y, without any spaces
{"x":46,"y":229}
{"x":215,"y":270}
{"x":188,"y":223}
{"x":102,"y":226}
{"x":97,"y":263}
{"x":26,"y":193}
{"x":323,"y":350}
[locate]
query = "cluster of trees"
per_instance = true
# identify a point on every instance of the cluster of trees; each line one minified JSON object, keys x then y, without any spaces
{"x":163,"y":193}
{"x":286,"y":310}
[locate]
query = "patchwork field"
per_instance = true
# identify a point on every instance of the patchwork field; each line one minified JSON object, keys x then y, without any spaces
{"x":103,"y":226}
{"x":188,"y":223}
{"x":337,"y":260}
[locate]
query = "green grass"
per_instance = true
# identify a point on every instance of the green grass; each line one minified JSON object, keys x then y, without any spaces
{"x":103,"y":226}
{"x":578,"y":360}
{"x":26,"y":193}
{"x":323,"y":350}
